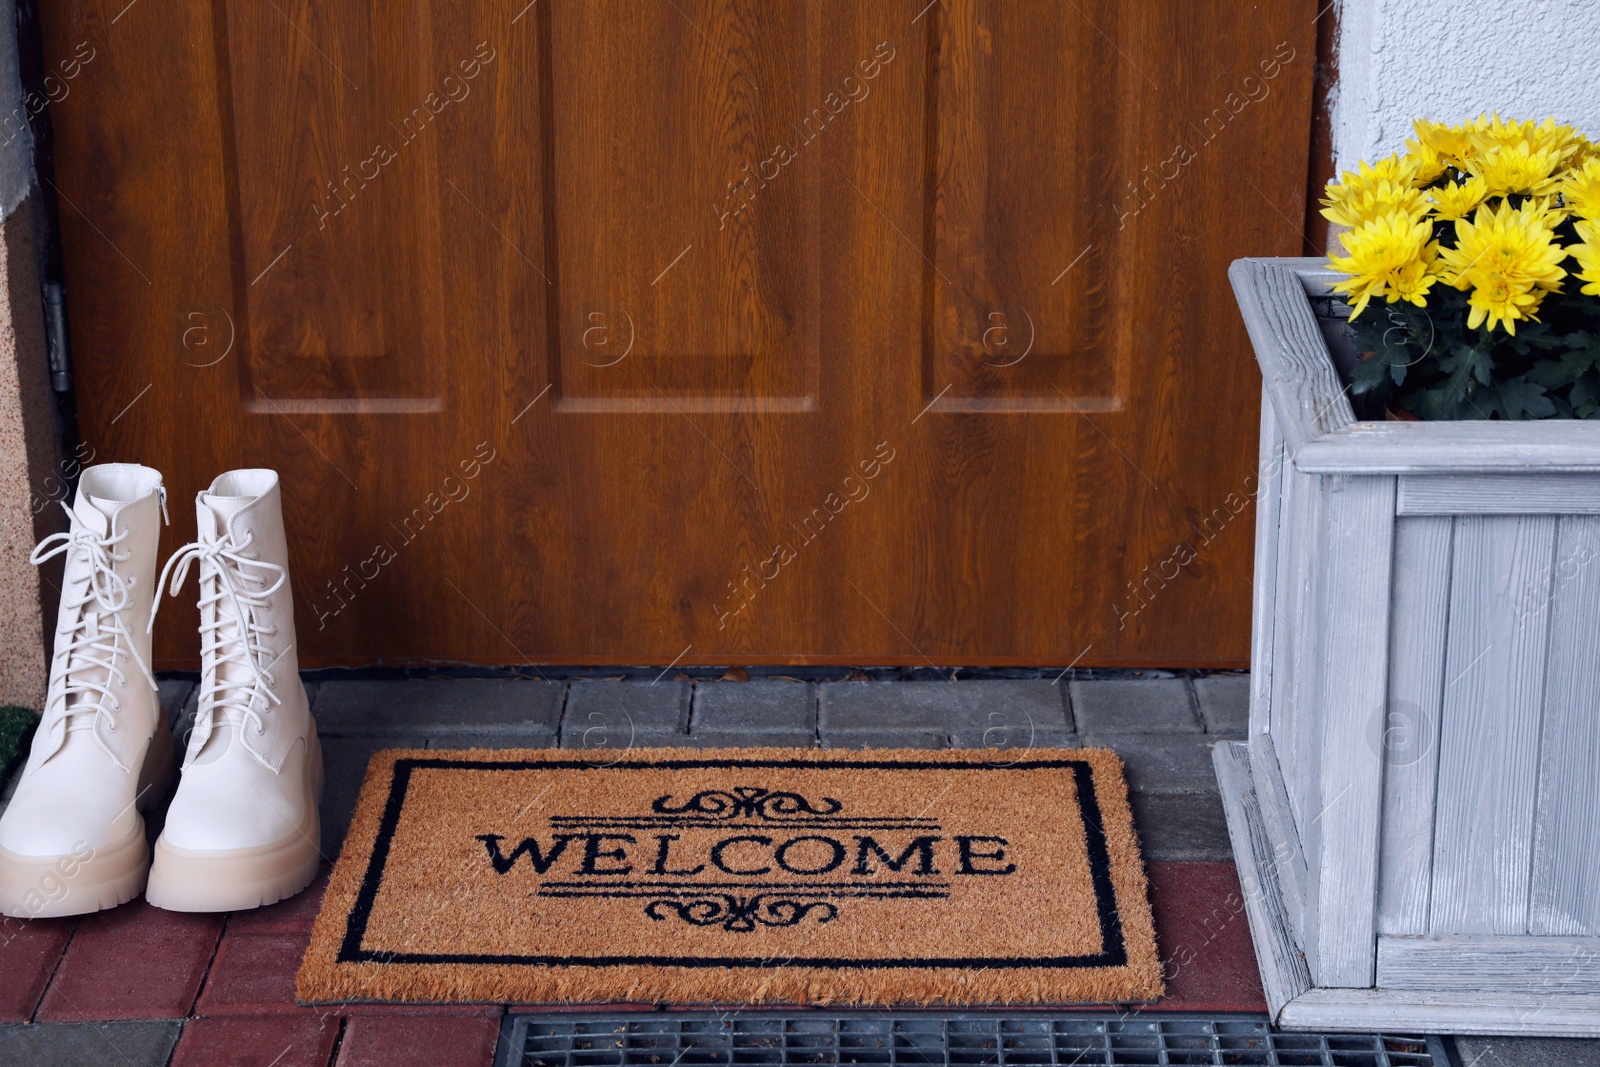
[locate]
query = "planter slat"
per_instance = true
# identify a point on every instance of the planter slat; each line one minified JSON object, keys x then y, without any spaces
{"x":1450,"y":1011}
{"x":1499,"y":494}
{"x":1284,"y":973}
{"x":1512,"y":964}
{"x":1552,"y":446}
{"x":1289,"y":858}
{"x":1410,"y":725}
{"x":1269,"y":511}
{"x":1425,"y":711}
{"x":1296,"y":726}
{"x":1566,"y":852}
{"x":1357,"y":565}
{"x":1303,"y":385}
{"x":1489,"y":731}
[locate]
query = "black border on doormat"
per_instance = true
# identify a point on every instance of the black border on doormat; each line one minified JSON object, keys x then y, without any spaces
{"x":1113,"y":953}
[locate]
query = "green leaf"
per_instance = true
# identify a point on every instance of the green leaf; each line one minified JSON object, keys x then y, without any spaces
{"x":1517,"y":398}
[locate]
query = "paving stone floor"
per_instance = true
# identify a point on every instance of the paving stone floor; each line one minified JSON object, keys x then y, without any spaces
{"x":139,"y":986}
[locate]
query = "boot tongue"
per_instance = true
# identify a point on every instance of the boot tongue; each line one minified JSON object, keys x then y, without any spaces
{"x":235,"y":678}
{"x":94,"y":513}
{"x":224,"y":508}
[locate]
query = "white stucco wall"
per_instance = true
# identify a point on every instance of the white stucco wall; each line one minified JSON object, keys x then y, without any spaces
{"x":1453,"y":59}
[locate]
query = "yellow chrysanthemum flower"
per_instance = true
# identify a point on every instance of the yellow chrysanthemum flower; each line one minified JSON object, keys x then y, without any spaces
{"x":1508,"y":257}
{"x":1451,"y":201}
{"x":1449,"y":144}
{"x":1580,"y":190}
{"x":1375,"y":191}
{"x":1587,"y":253}
{"x":1494,"y":132}
{"x":1518,"y":168}
{"x":1391,"y":256}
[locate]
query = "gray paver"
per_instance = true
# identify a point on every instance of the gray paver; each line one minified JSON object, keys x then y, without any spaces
{"x":625,"y":715}
{"x":861,"y":707}
{"x":1224,"y":701}
{"x":761,"y":707}
{"x":1134,"y":705}
{"x":885,"y":739}
{"x":1014,"y":739}
{"x":531,"y":739}
{"x":1181,"y":826}
{"x":1163,"y":763}
{"x":344,"y":765}
{"x":140,"y":1044}
{"x":1528,"y":1052}
{"x":750,"y":739}
{"x":434,"y":706}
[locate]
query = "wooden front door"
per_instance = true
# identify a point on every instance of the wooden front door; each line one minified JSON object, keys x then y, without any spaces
{"x":695,"y":331}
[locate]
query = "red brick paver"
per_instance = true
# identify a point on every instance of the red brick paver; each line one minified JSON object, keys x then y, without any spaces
{"x":419,"y":1041}
{"x":293,"y":916}
{"x":1204,"y":939}
{"x":29,"y":951}
{"x":276,"y":1041}
{"x":132,"y":962}
{"x":253,"y":974}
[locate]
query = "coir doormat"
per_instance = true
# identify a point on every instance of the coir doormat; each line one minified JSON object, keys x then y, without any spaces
{"x":748,"y":876}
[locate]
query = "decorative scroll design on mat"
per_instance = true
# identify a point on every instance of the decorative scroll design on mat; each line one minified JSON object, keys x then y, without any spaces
{"x":747,"y":802}
{"x":741,"y":914}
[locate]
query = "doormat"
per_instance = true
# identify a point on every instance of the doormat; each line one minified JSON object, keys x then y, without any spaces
{"x":748,"y":876}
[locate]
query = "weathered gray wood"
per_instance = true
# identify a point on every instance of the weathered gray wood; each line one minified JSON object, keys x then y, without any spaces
{"x":1411,"y":575}
{"x":1499,"y":494}
{"x":1419,"y":613}
{"x":1443,"y":1012}
{"x":1549,"y":446}
{"x":1284,"y":974}
{"x":1489,"y":736}
{"x":1295,"y":365}
{"x":1272,"y":801}
{"x":1301,"y":654}
{"x":1355,"y":652}
{"x":1566,"y":850}
{"x":1505,"y":964}
{"x":1269,"y":498}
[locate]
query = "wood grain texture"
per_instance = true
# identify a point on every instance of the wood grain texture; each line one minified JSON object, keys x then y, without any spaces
{"x":1494,"y":700}
{"x":1299,"y":663}
{"x":1566,"y":848}
{"x":425,"y":235}
{"x":1356,"y":652}
{"x":1499,"y":494}
{"x":1269,"y":516}
{"x":1418,"y":626}
{"x":1549,"y":446}
{"x":1444,"y":1012}
{"x":1547,"y":965}
{"x":1294,"y":358}
{"x":1288,"y":852}
{"x":1284,"y":974}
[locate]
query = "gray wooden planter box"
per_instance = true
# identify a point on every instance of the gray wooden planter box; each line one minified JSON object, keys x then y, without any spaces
{"x":1416,"y":813}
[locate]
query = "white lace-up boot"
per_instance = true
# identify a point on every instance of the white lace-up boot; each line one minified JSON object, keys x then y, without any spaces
{"x":242,"y":830}
{"x":72,"y":840}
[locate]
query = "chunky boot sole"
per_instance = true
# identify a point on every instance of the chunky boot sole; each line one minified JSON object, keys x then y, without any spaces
{"x":184,"y":879}
{"x":90,"y":879}
{"x":48,"y":887}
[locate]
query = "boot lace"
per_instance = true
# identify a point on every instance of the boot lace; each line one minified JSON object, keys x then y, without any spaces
{"x":96,"y":639}
{"x":229,"y":573}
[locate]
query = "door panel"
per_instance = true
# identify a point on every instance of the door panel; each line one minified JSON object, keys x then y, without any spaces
{"x":700,"y":331}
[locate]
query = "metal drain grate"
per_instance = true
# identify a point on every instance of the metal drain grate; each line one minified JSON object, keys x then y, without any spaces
{"x":730,"y":1039}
